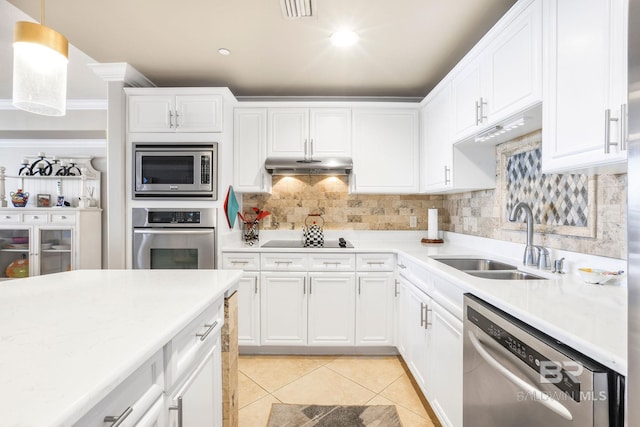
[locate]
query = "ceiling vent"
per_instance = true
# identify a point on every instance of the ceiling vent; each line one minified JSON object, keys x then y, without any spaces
{"x":296,"y":9}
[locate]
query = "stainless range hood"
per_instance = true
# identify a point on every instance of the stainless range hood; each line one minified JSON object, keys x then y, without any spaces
{"x":327,"y":166}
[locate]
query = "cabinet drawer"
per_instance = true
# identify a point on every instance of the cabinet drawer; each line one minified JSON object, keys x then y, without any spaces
{"x":60,"y":218}
{"x":375,"y":262}
{"x":189,"y":345}
{"x":132,"y":398}
{"x":241,"y":260}
{"x":35,"y":218}
{"x":283,"y":262}
{"x":332,"y":262}
{"x":10,"y":219}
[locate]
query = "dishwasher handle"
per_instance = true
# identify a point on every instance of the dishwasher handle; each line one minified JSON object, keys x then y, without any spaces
{"x":537,"y":394}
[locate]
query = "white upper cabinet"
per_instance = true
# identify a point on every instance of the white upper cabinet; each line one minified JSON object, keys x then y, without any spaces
{"x":385,"y":151}
{"x":249,"y":150}
{"x":501,"y":76}
{"x":436,"y":140}
{"x":585,"y":85}
{"x":309,"y":132}
{"x":175,"y":112}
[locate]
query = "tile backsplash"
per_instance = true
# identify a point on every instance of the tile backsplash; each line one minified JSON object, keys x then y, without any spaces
{"x":597,"y":227}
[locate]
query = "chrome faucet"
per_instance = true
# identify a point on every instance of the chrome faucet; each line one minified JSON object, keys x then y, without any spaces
{"x":530,"y":253}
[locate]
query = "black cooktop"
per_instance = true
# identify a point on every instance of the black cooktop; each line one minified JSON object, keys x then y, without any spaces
{"x":295,"y":244}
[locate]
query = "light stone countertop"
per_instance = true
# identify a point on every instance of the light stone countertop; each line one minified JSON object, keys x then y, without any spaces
{"x":68,"y":339}
{"x":590,"y":318}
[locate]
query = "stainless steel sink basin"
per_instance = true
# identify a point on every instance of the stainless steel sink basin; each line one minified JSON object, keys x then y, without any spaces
{"x":505,"y":275}
{"x":477,"y":264}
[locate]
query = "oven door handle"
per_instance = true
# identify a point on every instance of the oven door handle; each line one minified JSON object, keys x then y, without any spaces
{"x":171,"y":231}
{"x":537,"y":395}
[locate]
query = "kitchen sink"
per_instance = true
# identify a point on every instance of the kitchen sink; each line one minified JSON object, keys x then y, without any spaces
{"x":505,"y":275}
{"x":476,"y":264}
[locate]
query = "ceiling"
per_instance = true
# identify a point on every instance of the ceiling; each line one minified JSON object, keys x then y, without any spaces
{"x":405,"y":48}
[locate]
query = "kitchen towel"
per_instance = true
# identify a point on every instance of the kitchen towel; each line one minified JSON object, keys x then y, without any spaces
{"x":432,"y":232}
{"x":231,"y":207}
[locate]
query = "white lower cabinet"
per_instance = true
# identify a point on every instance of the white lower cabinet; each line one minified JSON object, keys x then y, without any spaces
{"x":416,"y":308}
{"x":374,"y":308}
{"x":331,"y":303}
{"x":283,"y":308}
{"x":192,"y":403}
{"x":249,"y":309}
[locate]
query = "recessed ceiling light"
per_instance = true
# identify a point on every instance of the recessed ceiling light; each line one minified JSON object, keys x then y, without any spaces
{"x":224,"y":51}
{"x":344,"y":38}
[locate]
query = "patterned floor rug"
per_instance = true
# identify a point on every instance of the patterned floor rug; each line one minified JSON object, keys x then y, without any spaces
{"x":284,"y":415}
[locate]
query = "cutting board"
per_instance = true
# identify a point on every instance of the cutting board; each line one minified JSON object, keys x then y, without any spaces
{"x":231,"y":207}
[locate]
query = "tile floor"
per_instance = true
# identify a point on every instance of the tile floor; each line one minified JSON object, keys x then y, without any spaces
{"x":326,"y":380}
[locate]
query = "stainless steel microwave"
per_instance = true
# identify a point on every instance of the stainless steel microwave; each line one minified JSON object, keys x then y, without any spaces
{"x":185,"y":171}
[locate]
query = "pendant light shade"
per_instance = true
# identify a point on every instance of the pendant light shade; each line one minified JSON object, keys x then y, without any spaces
{"x":40,"y":57}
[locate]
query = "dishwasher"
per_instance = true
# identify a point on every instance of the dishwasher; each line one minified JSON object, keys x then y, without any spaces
{"x":515,"y":375}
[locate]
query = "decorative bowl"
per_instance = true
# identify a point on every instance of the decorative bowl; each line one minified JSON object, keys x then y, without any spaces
{"x":597,"y":277}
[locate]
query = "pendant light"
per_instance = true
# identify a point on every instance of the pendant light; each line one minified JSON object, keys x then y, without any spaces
{"x":40,"y":57}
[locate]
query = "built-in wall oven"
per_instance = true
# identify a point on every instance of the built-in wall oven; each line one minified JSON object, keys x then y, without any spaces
{"x":174,"y":238}
{"x":184,"y":171}
{"x":515,"y":375}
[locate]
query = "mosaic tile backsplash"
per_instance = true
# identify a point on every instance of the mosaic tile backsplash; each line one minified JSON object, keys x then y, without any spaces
{"x":479,"y":213}
{"x":554,"y":199}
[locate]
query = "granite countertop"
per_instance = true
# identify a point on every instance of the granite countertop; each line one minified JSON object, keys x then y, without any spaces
{"x":590,"y":318}
{"x":68,"y":339}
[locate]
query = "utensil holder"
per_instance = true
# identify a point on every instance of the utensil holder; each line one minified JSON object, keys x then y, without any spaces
{"x":251,"y":233}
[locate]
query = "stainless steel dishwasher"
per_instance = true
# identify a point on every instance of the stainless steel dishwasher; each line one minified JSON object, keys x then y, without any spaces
{"x":515,"y":375}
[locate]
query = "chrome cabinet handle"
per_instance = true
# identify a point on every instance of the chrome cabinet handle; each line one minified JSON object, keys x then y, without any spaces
{"x":624,"y":127}
{"x":177,"y":122}
{"x":359,"y":284}
{"x":311,"y":148}
{"x":170,"y":119}
{"x":310,"y":285}
{"x":607,"y":130}
{"x":375,"y":262}
{"x":116,"y":421}
{"x":482,"y":104}
{"x":306,"y":149}
{"x":282,"y":262}
{"x":402,"y":266}
{"x":395,"y":289}
{"x":255,"y":285}
{"x":447,"y":179}
{"x":178,"y":408}
{"x":422,"y":314}
{"x":477,"y":113}
{"x":304,"y":286}
{"x":240,"y":262}
{"x":206,"y":333}
{"x":427,"y":310}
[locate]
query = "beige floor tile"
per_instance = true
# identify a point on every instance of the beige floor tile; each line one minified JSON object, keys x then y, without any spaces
{"x":274,"y":372}
{"x":324,"y":387}
{"x":373,"y":372}
{"x":401,"y":392}
{"x":407,"y":418}
{"x":257,"y":413}
{"x":248,"y":391}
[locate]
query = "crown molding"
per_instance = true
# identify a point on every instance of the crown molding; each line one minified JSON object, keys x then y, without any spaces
{"x":120,"y":72}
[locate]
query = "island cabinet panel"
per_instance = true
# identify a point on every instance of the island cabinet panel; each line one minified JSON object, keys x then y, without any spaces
{"x":132,"y":398}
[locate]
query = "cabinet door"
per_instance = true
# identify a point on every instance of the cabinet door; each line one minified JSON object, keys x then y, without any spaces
{"x":513,"y":77}
{"x":15,"y":252}
{"x":54,"y":252}
{"x":466,"y":93}
{"x":374,"y":309}
{"x":330,"y":132}
{"x":283,"y":308}
{"x":417,"y":326}
{"x":331,"y":309}
{"x":584,"y":48}
{"x":199,"y":399}
{"x":445,"y":365}
{"x":288,"y":132}
{"x":402,"y":320}
{"x":385,"y":151}
{"x":249,"y":309}
{"x":437,"y":141}
{"x":151,"y":113}
{"x":198,"y":113}
{"x":250,"y":150}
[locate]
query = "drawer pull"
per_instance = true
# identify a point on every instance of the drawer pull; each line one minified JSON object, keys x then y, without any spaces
{"x":335,"y":263}
{"x":240,"y":262}
{"x":402,"y":266}
{"x":375,"y":262}
{"x":63,"y":217}
{"x":7,"y":217}
{"x":206,"y":333}
{"x":119,"y":419}
{"x":283,"y":262}
{"x":178,"y":408}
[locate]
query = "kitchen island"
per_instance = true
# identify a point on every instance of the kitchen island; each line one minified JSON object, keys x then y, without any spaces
{"x":76,"y":341}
